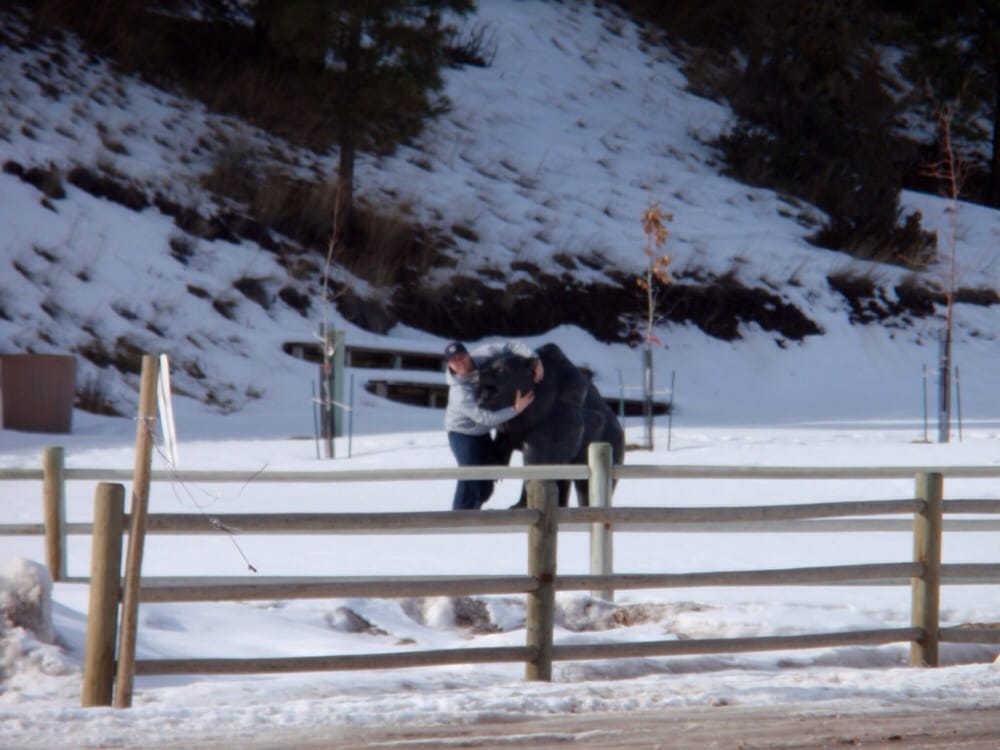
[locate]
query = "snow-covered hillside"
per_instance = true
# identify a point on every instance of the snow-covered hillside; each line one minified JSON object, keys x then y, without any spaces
{"x":547,"y":160}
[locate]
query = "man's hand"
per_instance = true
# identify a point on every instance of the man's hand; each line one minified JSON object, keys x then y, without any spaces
{"x":538,"y":372}
{"x":523,"y":400}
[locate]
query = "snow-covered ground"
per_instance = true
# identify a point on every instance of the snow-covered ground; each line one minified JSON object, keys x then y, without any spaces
{"x":41,"y":681}
{"x":542,"y":152}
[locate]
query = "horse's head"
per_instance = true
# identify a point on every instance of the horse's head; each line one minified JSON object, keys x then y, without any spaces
{"x":501,"y":376}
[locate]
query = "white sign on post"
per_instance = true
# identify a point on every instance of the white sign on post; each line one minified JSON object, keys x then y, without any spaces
{"x":165,"y":404}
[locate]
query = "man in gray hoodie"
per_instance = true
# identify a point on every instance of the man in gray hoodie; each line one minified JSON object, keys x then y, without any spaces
{"x":468,"y":424}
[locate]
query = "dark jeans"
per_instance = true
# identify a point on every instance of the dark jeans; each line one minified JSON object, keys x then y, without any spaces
{"x":472,"y":450}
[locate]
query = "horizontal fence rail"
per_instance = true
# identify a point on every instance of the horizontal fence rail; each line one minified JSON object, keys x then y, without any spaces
{"x":832,"y":574}
{"x":874,"y":574}
{"x":745,"y":513}
{"x":970,"y":634}
{"x":880,"y":637}
{"x":21,"y":475}
{"x":207,"y":525}
{"x":541,"y":471}
{"x":385,"y":660}
{"x":244,"y":588}
{"x":697,"y":471}
{"x":325,"y":523}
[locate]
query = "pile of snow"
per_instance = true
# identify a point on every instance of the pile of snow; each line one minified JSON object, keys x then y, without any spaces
{"x":26,"y":598}
{"x":32,"y":660}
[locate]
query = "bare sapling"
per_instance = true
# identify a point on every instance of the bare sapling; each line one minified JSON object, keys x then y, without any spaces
{"x":654,"y":220}
{"x":950,"y":171}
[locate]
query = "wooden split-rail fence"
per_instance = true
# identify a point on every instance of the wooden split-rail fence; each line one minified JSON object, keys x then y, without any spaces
{"x":110,"y":664}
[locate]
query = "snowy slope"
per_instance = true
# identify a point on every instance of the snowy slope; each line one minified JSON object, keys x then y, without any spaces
{"x":555,"y":148}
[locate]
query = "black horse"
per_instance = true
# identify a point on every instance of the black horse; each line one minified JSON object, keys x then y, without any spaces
{"x":568,"y":414}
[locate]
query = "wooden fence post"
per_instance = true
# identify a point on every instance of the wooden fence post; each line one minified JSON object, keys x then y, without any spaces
{"x":926,"y":599}
{"x":137,"y":531}
{"x":599,"y":490}
{"x":540,"y":607}
{"x":105,"y":592}
{"x":54,"y":509}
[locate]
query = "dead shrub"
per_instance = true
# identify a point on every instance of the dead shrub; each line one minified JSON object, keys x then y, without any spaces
{"x":708,"y":72}
{"x":472,"y":44}
{"x":233,"y":173}
{"x":95,"y":352}
{"x":465,"y":232}
{"x":127,"y":357}
{"x":384,"y":247}
{"x":907,"y":244}
{"x":917,"y":297}
{"x":254,"y":289}
{"x":300,"y":210}
{"x":108,"y":186}
{"x":870,"y":303}
{"x":985,"y":296}
{"x":124,"y":356}
{"x":193,"y":368}
{"x":181,"y":248}
{"x":387,"y":248}
{"x":387,"y":238}
{"x":860,"y":292}
{"x":565,"y":260}
{"x":225,"y":307}
{"x":47,"y":179}
{"x":852,"y":284}
{"x":295,"y":299}
{"x":93,"y":396}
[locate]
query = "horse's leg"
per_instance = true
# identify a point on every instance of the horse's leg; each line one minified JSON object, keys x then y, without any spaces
{"x":564,"y":486}
{"x":545,"y":445}
{"x":503,"y":449}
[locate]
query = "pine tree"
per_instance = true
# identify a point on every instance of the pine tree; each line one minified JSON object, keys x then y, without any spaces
{"x":816,"y":121}
{"x":385,"y":57}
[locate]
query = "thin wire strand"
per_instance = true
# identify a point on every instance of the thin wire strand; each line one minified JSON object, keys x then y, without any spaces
{"x":178,"y":484}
